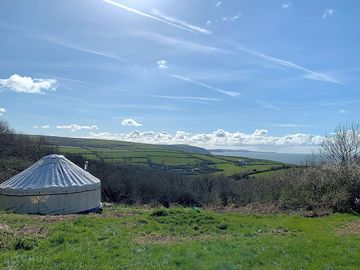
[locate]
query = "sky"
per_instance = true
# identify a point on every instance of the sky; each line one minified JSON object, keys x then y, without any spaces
{"x":257,"y":75}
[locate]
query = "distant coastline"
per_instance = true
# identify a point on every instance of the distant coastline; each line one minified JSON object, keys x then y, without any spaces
{"x":290,"y":158}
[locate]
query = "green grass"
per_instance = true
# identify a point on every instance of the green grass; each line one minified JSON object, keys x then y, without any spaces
{"x":133,"y":153}
{"x":269,"y":173}
{"x":179,"y":238}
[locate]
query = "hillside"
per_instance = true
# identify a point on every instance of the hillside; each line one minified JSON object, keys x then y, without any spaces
{"x":183,"y":159}
{"x":98,"y":143}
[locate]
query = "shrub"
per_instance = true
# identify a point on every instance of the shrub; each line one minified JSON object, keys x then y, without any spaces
{"x":24,"y":244}
{"x":159,"y":213}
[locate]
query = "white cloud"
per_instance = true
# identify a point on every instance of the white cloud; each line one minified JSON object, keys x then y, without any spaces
{"x":232,"y":18}
{"x":178,"y":21}
{"x":217,"y":138}
{"x":208,"y":22}
{"x":162,"y":64}
{"x":219,"y":90}
{"x":75,"y":127}
{"x":342,"y":111}
{"x":328,"y":12}
{"x":260,"y":132}
{"x":161,"y":18}
{"x":286,"y":5}
{"x":29,"y":85}
{"x":218,"y":3}
{"x":2,"y":111}
{"x":43,"y":126}
{"x":130,"y":122}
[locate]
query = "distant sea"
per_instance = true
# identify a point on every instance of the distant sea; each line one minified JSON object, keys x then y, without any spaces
{"x":296,"y":159}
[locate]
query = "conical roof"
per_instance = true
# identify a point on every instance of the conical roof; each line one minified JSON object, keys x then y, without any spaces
{"x":53,"y":174}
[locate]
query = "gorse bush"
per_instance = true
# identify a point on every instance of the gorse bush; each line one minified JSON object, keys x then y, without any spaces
{"x":325,"y":187}
{"x":17,"y":152}
{"x":332,"y":187}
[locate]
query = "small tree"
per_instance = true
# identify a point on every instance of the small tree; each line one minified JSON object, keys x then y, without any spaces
{"x":343,"y":146}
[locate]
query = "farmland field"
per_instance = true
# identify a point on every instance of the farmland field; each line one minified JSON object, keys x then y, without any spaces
{"x":179,"y":238}
{"x":182,"y":159}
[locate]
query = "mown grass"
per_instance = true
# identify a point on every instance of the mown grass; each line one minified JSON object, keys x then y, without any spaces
{"x":179,"y":238}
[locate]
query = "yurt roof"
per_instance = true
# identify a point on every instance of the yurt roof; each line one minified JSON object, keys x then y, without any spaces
{"x":53,"y":174}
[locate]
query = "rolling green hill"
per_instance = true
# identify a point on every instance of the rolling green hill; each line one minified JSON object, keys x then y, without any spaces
{"x":183,"y":159}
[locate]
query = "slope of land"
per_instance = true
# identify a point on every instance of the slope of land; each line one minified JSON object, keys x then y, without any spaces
{"x":179,"y":238}
{"x":182,"y":159}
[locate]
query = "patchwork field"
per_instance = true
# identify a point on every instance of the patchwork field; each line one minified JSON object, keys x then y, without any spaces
{"x":166,"y":158}
{"x":179,"y":238}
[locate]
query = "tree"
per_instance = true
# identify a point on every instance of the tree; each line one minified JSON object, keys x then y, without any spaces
{"x":343,"y":146}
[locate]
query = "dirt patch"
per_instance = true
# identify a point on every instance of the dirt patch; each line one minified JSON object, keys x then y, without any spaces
{"x":54,"y":219}
{"x":31,"y":231}
{"x":249,"y":209}
{"x":280,"y":231}
{"x":317,"y":213}
{"x":153,"y":238}
{"x":27,"y":230}
{"x":114,"y":214}
{"x":352,"y":228}
{"x":4,"y":228}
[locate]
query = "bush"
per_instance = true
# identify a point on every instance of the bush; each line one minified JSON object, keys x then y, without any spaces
{"x":24,"y":244}
{"x":159,"y":213}
{"x":332,"y":187}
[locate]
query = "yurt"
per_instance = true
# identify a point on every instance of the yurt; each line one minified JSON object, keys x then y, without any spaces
{"x":52,"y":186}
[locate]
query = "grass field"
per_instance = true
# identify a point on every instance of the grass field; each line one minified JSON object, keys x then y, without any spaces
{"x":169,"y":159}
{"x":179,"y":238}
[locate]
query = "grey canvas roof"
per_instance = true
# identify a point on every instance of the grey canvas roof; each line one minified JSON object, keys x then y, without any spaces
{"x":53,"y":174}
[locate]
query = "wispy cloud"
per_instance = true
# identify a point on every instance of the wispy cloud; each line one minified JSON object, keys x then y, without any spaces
{"x":76,"y":127}
{"x":180,"y":22}
{"x":42,"y":127}
{"x":286,"y":5}
{"x":2,"y":111}
{"x":218,"y":3}
{"x":342,"y":111}
{"x":310,"y":74}
{"x":187,"y":98}
{"x":328,"y":13}
{"x":130,"y":122}
{"x":232,"y":18}
{"x":200,"y":100}
{"x":289,"y":125}
{"x":24,"y":84}
{"x":136,"y":106}
{"x":93,"y":84}
{"x":162,"y":64}
{"x":266,"y":104}
{"x":162,"y":18}
{"x":219,"y":90}
{"x":79,"y":48}
{"x":179,"y":43}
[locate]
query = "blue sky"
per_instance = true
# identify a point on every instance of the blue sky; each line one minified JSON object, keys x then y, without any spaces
{"x":261,"y":75}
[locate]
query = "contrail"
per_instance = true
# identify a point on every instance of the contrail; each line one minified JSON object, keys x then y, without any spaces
{"x":225,"y":92}
{"x":136,"y":11}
